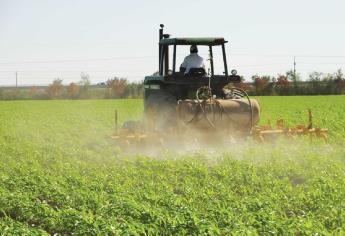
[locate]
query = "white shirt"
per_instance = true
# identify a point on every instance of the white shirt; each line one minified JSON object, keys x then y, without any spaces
{"x":193,"y":60}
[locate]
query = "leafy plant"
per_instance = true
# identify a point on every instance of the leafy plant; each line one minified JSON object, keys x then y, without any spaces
{"x":61,"y":174}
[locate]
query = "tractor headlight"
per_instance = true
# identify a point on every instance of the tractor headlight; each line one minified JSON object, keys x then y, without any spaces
{"x":234,"y":72}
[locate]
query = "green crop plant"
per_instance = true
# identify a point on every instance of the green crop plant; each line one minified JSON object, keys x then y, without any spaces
{"x":61,"y":174}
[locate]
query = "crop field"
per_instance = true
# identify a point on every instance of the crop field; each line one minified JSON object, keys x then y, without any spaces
{"x":61,"y":174}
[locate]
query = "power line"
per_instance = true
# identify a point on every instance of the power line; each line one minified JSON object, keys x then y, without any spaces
{"x":41,"y":77}
{"x":64,"y":71}
{"x":288,"y":55}
{"x":77,"y":60}
{"x":147,"y":57}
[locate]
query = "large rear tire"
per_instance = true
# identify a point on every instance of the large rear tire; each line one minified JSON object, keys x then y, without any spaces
{"x":160,"y":110}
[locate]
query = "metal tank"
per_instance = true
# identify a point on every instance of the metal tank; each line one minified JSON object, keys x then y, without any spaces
{"x":219,"y":114}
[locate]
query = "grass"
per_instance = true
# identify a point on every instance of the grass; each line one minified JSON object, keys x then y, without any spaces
{"x":61,"y":174}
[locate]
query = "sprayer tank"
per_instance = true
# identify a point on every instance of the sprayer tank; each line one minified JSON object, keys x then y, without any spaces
{"x":230,"y":114}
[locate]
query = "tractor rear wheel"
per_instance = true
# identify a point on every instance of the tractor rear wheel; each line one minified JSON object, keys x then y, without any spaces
{"x":160,"y":110}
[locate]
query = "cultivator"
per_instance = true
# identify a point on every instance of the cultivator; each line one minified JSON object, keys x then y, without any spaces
{"x":267,"y":132}
{"x":136,"y":135}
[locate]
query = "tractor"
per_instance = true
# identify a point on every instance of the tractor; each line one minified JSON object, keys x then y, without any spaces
{"x":199,"y":99}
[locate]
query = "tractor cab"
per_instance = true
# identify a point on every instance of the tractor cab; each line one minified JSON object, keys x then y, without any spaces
{"x":172,"y":44}
{"x":174,"y":80}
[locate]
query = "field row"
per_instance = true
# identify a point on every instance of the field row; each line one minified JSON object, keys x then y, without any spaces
{"x":61,"y":173}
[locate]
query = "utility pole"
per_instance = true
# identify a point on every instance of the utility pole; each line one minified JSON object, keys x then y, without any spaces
{"x":294,"y":76}
{"x":16,"y":79}
{"x":294,"y":68}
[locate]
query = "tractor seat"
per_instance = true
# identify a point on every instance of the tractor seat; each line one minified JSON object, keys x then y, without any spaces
{"x":196,"y":72}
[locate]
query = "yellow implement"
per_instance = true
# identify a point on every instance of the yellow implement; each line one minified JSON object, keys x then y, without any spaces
{"x":265,"y":132}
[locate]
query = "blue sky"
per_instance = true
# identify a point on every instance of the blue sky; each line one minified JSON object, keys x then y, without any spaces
{"x":44,"y":40}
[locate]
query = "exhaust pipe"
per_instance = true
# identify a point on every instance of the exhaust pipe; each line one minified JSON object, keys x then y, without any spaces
{"x":160,"y":47}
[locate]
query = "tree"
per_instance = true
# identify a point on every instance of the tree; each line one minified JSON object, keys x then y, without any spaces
{"x":315,"y":76}
{"x":340,"y":81}
{"x":339,"y":75}
{"x":261,"y":84}
{"x":315,"y":79}
{"x":73,"y":90}
{"x":55,"y":89}
{"x":84,"y":79}
{"x":292,"y":76}
{"x":84,"y":85}
{"x":283,"y":85}
{"x":117,"y":87}
{"x":295,"y":78}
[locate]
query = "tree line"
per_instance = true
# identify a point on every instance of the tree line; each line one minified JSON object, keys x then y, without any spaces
{"x":289,"y":84}
{"x":113,"y":88}
{"x":116,"y":88}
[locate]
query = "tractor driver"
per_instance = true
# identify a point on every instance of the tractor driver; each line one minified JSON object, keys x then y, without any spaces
{"x":193,"y":60}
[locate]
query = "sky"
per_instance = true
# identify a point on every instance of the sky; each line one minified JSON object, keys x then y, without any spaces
{"x":45,"y":39}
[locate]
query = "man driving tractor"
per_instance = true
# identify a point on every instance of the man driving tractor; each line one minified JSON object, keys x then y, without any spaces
{"x":193,"y":60}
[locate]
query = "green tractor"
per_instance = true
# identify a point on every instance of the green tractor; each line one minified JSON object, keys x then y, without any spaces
{"x":172,"y":95}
